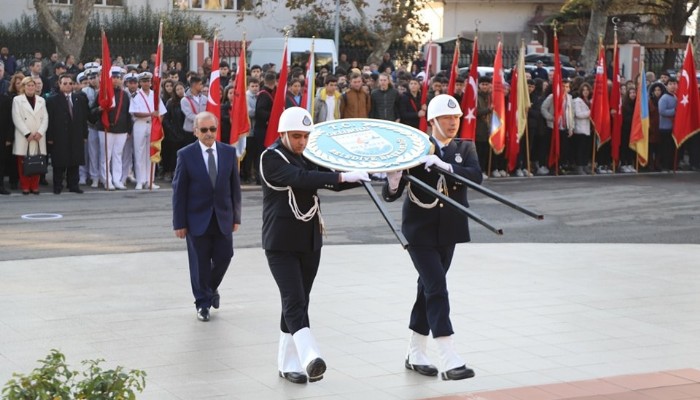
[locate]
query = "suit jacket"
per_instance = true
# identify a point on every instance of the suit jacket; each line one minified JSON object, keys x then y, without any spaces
{"x":440,"y":225}
{"x":68,"y":133}
{"x":195,"y":201}
{"x":281,"y":230}
{"x":27,"y":120}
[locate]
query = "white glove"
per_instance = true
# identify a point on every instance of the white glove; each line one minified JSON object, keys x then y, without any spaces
{"x":432,"y":159}
{"x":394,"y":178}
{"x":354,"y":176}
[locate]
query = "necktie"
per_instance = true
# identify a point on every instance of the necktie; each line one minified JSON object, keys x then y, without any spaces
{"x":70,"y":106}
{"x":212,"y":167}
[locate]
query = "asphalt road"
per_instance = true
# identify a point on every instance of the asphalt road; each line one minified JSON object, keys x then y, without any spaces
{"x":646,"y":208}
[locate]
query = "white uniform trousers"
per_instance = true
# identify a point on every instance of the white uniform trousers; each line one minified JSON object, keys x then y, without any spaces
{"x":142,"y":154}
{"x":115,"y":150}
{"x":127,"y":158}
{"x":91,"y":169}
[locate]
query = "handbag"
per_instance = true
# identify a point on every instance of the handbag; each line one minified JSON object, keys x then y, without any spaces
{"x":34,"y":164}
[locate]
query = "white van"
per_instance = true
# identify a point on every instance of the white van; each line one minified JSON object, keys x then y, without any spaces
{"x":269,"y":50}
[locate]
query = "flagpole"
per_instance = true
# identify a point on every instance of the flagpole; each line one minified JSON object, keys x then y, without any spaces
{"x":156,"y":99}
{"x":594,"y":147}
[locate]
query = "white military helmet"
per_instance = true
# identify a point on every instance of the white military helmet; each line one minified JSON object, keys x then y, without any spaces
{"x":295,"y":119}
{"x":443,"y":104}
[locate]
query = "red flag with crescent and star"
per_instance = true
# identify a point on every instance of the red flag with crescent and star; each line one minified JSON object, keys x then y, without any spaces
{"x":470,"y":97}
{"x":687,"y":120}
{"x":214,"y":98}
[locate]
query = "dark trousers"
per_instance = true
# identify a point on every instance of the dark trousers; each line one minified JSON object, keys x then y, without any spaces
{"x":254,"y":148}
{"x":482,"y":151}
{"x":10,"y":166}
{"x":668,"y":149}
{"x":582,"y":148}
{"x":431,"y":311}
{"x":70,"y":173}
{"x":542,"y":144}
{"x":294,"y":273}
{"x":209,"y":257}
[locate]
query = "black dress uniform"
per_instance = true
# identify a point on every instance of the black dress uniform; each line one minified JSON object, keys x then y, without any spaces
{"x":433,"y":232}
{"x":292,"y":238}
{"x":293,"y":246}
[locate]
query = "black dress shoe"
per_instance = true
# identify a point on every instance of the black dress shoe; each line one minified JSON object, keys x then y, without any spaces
{"x":4,"y":191}
{"x":294,"y":377}
{"x":427,"y":370}
{"x":315,"y":369}
{"x":57,"y":191}
{"x":203,"y":314}
{"x":458,"y":373}
{"x":76,"y":190}
{"x":25,"y":193}
{"x":35,"y":192}
{"x":215,"y":300}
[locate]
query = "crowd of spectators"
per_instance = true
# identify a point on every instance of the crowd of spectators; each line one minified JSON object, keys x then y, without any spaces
{"x":389,"y":90}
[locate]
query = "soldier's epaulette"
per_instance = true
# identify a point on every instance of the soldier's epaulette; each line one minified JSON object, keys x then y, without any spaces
{"x":274,"y":146}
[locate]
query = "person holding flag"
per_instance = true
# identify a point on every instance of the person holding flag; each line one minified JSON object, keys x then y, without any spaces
{"x":142,"y":110}
{"x":639,"y":129}
{"x":113,"y":132}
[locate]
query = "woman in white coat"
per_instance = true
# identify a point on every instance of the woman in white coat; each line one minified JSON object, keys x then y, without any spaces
{"x":582,"y":128}
{"x":31,"y":121}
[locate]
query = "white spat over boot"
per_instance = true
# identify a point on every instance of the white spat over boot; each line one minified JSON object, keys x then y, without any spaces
{"x":309,"y":354}
{"x":288,"y":363}
{"x":417,"y":355}
{"x":452,"y":366}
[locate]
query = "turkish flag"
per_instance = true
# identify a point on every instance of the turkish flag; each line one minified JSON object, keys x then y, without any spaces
{"x":470,"y":97}
{"x":687,"y":120}
{"x":214,"y":98}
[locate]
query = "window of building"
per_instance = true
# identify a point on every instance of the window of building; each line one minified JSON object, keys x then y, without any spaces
{"x":214,"y":5}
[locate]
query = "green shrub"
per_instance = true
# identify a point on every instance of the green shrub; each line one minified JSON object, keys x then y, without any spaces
{"x":54,"y":380}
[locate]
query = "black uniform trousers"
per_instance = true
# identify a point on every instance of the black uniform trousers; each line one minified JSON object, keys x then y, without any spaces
{"x":71,"y":175}
{"x":431,"y":311}
{"x":294,"y":273}
{"x":209,"y":257}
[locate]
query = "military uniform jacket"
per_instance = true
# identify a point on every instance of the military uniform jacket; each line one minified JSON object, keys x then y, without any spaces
{"x":281,"y":230}
{"x":440,"y":225}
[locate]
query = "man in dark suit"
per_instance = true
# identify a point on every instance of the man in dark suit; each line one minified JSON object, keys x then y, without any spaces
{"x":207,"y":209}
{"x":292,"y":237}
{"x":67,"y":133}
{"x":432,"y":230}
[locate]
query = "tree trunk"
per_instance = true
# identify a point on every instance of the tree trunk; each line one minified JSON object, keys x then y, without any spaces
{"x":71,"y":43}
{"x":596,"y":29}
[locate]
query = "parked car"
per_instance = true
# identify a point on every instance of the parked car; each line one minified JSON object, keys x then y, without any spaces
{"x":482,"y":70}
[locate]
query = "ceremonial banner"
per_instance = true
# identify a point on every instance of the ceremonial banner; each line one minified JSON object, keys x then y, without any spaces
{"x":687,"y":120}
{"x":497,"y":138}
{"x":307,"y":96}
{"x":600,"y":106}
{"x":370,"y":145}
{"x":156,"y":125}
{"x":240,"y":123}
{"x":278,"y":102}
{"x":639,"y":134}
{"x":616,"y":104}
{"x":214,"y":98}
{"x":423,"y":122}
{"x":454,"y":70}
{"x":106,"y":93}
{"x":557,"y":100}
{"x":470,"y":97}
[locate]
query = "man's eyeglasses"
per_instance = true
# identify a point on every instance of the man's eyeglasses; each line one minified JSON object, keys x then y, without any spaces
{"x":210,"y":129}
